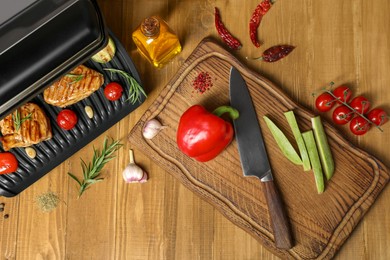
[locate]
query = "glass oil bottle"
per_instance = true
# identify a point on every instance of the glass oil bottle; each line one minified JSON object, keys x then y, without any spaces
{"x":156,"y":41}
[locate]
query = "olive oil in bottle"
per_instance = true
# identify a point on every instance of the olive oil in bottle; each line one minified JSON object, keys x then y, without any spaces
{"x":156,"y":41}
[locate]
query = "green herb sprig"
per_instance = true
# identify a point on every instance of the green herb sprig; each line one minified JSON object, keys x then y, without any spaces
{"x":135,"y":90}
{"x":18,"y":121}
{"x":76,"y":78}
{"x":92,"y":170}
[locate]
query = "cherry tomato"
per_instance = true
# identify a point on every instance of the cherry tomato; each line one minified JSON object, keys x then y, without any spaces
{"x":113,"y":91}
{"x":360,"y":104}
{"x":378,"y":116}
{"x":359,"y":125}
{"x":8,"y":163}
{"x":325,"y":102}
{"x":342,"y":93}
{"x":342,"y":115}
{"x":67,"y":119}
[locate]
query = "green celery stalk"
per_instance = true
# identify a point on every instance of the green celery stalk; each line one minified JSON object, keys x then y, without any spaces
{"x":323,"y":147}
{"x":283,"y":143}
{"x":298,"y":137}
{"x":311,"y":146}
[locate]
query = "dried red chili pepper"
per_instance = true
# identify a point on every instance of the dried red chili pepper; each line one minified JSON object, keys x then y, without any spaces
{"x":275,"y":53}
{"x":256,"y":18}
{"x":226,"y":36}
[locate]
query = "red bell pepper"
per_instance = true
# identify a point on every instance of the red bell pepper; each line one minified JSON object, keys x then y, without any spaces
{"x":203,"y":135}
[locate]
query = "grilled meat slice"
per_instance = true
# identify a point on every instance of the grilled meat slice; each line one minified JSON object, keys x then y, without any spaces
{"x":26,"y":126}
{"x":80,"y":83}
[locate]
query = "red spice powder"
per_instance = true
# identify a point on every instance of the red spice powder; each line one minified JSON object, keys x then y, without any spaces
{"x":202,"y":82}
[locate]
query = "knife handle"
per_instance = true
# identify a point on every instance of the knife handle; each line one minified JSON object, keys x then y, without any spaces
{"x":278,"y":216}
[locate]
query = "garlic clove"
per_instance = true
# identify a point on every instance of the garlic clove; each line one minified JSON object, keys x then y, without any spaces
{"x":30,"y":152}
{"x":144,"y":178}
{"x":152,"y":128}
{"x":134,"y":173}
{"x":89,"y":111}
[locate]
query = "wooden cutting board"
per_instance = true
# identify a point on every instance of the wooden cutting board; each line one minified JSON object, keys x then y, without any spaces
{"x":320,"y":223}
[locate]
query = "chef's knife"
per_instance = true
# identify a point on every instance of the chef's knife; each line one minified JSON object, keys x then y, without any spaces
{"x":254,"y":159}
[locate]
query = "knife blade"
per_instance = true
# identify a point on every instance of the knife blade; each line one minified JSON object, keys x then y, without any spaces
{"x":254,"y":158}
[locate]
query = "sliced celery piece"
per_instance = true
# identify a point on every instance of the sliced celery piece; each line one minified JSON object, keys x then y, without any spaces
{"x":323,"y":147}
{"x":311,"y":146}
{"x":298,"y":137}
{"x":283,"y":143}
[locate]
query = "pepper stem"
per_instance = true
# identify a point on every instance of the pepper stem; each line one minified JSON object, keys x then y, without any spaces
{"x":233,"y":113}
{"x":256,"y":58}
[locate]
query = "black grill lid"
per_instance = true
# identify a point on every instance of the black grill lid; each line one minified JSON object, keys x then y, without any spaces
{"x":40,"y":40}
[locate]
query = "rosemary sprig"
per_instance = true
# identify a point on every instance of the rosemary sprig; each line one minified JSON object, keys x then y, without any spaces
{"x":92,"y":170}
{"x":75,"y":77}
{"x":135,"y":90}
{"x":18,"y":121}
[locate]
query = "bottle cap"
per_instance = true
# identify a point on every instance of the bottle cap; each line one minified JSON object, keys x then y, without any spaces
{"x":150,"y":26}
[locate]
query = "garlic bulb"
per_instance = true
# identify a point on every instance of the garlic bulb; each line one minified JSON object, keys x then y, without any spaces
{"x":151,"y":128}
{"x":134,"y":173}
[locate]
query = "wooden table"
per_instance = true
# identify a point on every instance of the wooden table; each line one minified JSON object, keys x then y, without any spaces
{"x":340,"y":41}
